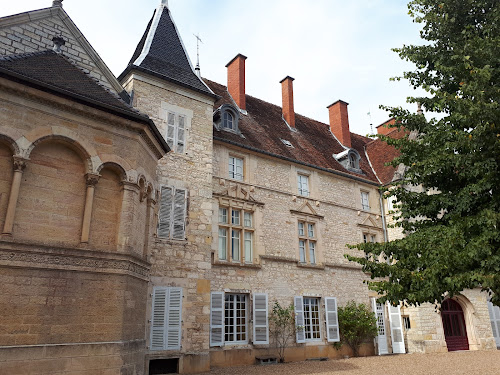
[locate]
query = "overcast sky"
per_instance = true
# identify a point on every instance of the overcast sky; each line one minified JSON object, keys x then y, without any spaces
{"x":335,"y":49}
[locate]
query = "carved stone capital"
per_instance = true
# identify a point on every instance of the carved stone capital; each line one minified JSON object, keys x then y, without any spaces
{"x":91,"y":179}
{"x":19,"y":163}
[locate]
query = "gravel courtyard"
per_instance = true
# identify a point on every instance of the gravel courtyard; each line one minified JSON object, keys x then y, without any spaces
{"x":453,"y":363}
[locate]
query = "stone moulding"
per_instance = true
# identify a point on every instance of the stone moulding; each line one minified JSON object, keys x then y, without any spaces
{"x":70,"y":259}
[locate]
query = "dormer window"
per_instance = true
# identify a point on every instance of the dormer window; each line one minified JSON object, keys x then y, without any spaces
{"x":226,"y":117}
{"x":349,"y":159}
{"x":228,"y":121}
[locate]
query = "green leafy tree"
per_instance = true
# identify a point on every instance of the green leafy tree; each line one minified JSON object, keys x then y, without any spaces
{"x":449,"y":196}
{"x":357,"y":324}
{"x":282,"y":327}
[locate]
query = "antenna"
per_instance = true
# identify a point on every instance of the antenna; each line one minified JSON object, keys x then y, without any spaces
{"x":369,"y":114}
{"x":198,"y":41}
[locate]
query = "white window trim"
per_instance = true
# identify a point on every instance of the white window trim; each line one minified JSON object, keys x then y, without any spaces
{"x":301,"y":192}
{"x":235,"y":159}
{"x":179,"y":111}
{"x":365,"y":207}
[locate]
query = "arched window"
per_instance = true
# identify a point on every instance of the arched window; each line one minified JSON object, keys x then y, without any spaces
{"x":353,"y":161}
{"x":228,"y":121}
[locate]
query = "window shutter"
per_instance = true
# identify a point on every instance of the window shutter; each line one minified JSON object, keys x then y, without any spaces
{"x":332,"y":320}
{"x":181,"y":134}
{"x":260,"y":319}
{"x":171,"y":130}
{"x":179,"y":216}
{"x":398,"y":344}
{"x":174,"y":320}
{"x":299,"y":319}
{"x":217,"y":319}
{"x":495,"y":321}
{"x":165,"y":212}
{"x":158,"y":318}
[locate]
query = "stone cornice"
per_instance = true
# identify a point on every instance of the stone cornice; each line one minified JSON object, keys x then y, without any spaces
{"x":15,"y":254}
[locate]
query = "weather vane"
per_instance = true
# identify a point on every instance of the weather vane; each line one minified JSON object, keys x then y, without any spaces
{"x":198,"y":41}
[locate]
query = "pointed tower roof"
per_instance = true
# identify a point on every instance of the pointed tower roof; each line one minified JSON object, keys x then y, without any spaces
{"x":161,"y":52}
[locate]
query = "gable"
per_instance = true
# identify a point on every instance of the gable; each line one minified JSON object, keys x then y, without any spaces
{"x":33,"y":32}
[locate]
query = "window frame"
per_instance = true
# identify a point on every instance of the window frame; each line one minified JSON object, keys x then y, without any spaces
{"x":312,"y":327}
{"x":176,"y":142}
{"x":234,"y":173}
{"x":235,"y":325}
{"x":300,"y":189}
{"x":229,"y":226}
{"x":305,"y":237}
{"x":365,"y":206}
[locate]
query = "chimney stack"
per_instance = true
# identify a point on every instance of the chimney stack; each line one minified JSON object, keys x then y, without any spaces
{"x":287,"y":97}
{"x":236,"y":80}
{"x":339,"y":122}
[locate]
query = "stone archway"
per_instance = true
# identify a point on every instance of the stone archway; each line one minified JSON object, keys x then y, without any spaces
{"x":454,"y":327}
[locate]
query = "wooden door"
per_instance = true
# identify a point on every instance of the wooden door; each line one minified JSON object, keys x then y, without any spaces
{"x":454,"y":326}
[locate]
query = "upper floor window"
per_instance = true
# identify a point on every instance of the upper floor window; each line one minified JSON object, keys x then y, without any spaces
{"x":303,"y":184}
{"x":176,"y":132}
{"x":307,"y":242}
{"x":228,"y":121}
{"x":172,"y":213}
{"x":236,"y":233}
{"x":369,"y":238}
{"x":236,"y":168}
{"x":365,"y":201}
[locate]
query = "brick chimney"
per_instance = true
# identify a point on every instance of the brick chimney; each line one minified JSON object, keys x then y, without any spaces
{"x":339,"y":122}
{"x":236,"y":80}
{"x":287,"y":97}
{"x":383,"y":129}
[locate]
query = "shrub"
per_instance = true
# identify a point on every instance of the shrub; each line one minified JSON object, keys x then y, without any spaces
{"x":282,"y":327}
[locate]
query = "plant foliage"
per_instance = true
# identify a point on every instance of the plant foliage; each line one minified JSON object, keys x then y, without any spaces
{"x":282,"y":327}
{"x":356,"y":325}
{"x":449,"y":196}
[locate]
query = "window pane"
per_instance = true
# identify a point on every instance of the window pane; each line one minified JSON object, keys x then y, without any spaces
{"x":248,"y":219}
{"x":227,"y":121}
{"x":235,"y":217}
{"x":236,"y":168}
{"x":365,"y":238}
{"x":222,"y":243}
{"x":235,"y":245}
{"x":310,"y":229}
{"x":302,"y":251}
{"x":373,"y":238}
{"x":301,"y":228}
{"x":365,"y":202}
{"x":223,"y":215}
{"x":303,"y":182}
{"x":312,"y":252}
{"x":248,"y":247}
{"x":235,"y":318}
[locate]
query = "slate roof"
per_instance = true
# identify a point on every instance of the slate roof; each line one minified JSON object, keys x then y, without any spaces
{"x":166,"y":57}
{"x":381,"y":153}
{"x":313,"y":143}
{"x":53,"y":72}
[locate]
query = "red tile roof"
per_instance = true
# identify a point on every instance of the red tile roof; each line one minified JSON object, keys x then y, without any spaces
{"x":313,"y":143}
{"x":381,"y":153}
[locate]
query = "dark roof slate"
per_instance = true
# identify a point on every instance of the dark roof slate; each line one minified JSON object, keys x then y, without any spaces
{"x":166,"y":56}
{"x":313,"y":143}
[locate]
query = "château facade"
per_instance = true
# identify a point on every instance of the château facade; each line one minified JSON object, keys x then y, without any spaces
{"x":150,"y":221}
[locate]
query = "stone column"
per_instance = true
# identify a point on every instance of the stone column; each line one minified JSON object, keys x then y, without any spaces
{"x":151,"y":202}
{"x":19,"y":166}
{"x":91,"y":180}
{"x":127,"y":230}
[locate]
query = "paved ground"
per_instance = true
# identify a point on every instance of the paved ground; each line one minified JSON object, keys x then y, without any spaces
{"x":454,"y":363}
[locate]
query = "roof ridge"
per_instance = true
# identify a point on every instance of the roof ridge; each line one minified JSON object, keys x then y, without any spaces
{"x":24,"y":55}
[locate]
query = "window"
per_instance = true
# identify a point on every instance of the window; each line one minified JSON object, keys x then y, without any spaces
{"x":406,"y":322}
{"x":307,"y":319}
{"x":353,"y":161}
{"x":229,"y":316}
{"x":307,"y":242}
{"x":176,"y":131}
{"x":228,"y":121}
{"x":172,"y":213}
{"x":287,"y":143}
{"x":236,"y":234}
{"x":236,"y":168}
{"x":303,"y":185}
{"x":369,"y":238}
{"x":311,"y":319}
{"x":166,"y":318}
{"x":365,"y":202}
{"x":391,"y":201}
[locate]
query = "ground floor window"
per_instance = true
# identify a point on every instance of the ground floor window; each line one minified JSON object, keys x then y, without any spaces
{"x":311,"y":318}
{"x":235,"y":318}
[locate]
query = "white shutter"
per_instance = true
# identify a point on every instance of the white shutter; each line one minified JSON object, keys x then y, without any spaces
{"x":165,"y":212}
{"x":171,"y":130}
{"x":158,"y":318}
{"x":332,"y":320}
{"x":174,"y":315}
{"x":299,"y":319}
{"x":381,"y":338}
{"x":181,"y":134}
{"x":398,"y":343}
{"x":217,"y":319}
{"x":179,"y":216}
{"x":495,"y":321}
{"x":260,"y":319}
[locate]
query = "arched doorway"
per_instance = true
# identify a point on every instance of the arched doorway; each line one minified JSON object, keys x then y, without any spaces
{"x":454,"y":326}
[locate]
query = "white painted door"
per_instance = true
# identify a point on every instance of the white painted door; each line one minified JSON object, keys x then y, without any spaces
{"x":398,"y":342}
{"x":495,"y":321}
{"x":381,"y":338}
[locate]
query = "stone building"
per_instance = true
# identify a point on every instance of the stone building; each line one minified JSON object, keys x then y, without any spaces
{"x":118,"y":256}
